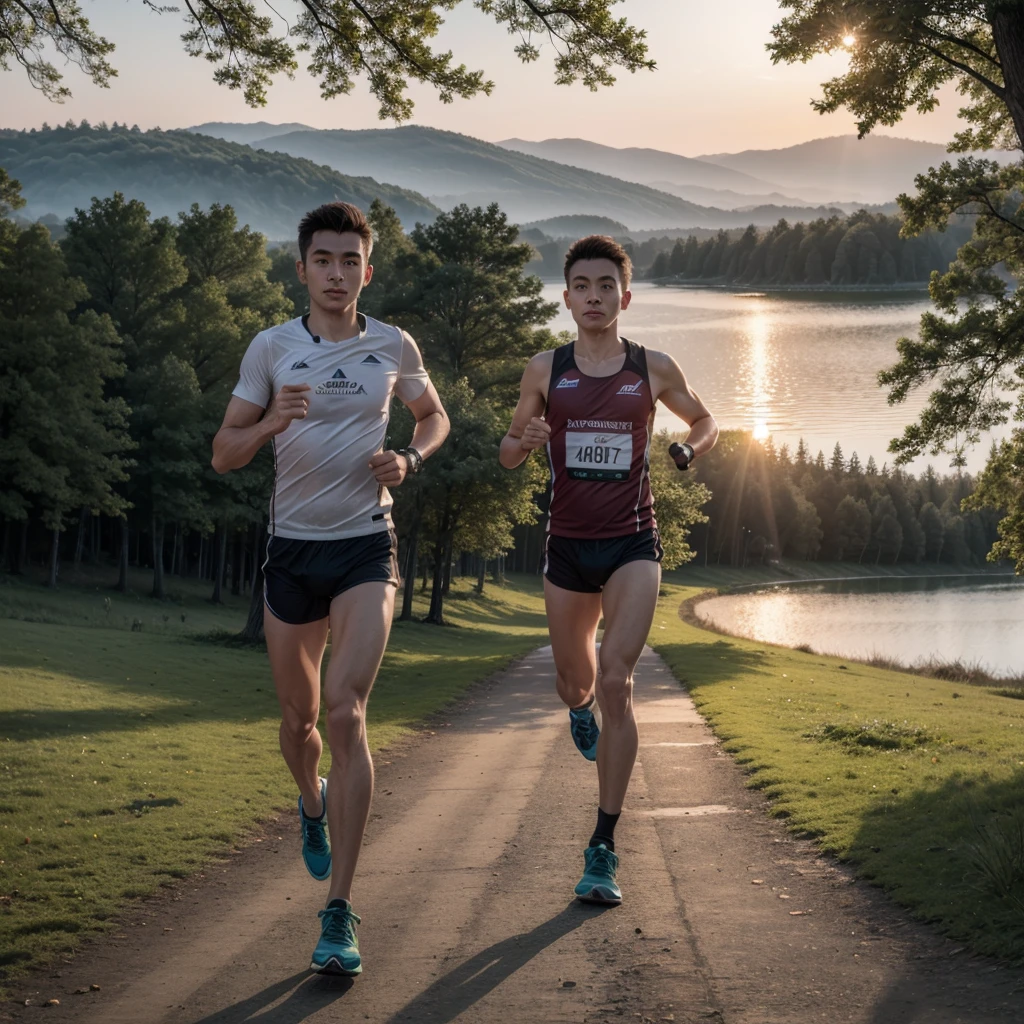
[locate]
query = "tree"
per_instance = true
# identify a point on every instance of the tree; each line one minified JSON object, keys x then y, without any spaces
{"x":480,"y":316}
{"x":970,"y":352}
{"x":677,"y":503}
{"x":853,"y":528}
{"x":934,"y":531}
{"x":468,"y":497}
{"x":388,"y":43}
{"x":64,"y":439}
{"x":1001,"y":487}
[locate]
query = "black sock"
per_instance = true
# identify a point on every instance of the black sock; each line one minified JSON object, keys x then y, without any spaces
{"x":605,"y":831}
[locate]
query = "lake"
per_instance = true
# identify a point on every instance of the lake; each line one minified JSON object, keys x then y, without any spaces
{"x":977,"y":621}
{"x":789,"y":365}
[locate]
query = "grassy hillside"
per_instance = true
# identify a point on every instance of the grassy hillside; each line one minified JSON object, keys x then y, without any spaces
{"x":63,"y":168}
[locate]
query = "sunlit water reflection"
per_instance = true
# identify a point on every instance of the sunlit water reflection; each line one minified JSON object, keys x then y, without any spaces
{"x":977,"y":622}
{"x":787,"y":365}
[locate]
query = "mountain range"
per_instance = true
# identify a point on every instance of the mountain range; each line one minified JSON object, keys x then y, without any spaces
{"x":450,"y":168}
{"x":63,"y":168}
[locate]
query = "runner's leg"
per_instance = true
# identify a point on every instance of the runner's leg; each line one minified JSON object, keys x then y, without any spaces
{"x":630,"y":597}
{"x":572,"y":623}
{"x":295,"y":654}
{"x":360,"y":624}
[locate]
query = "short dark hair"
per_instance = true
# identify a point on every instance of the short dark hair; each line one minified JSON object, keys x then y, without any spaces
{"x":599,"y":247}
{"x":337,"y":216}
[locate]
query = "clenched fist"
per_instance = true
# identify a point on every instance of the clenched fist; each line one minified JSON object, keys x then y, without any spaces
{"x":389,"y":468}
{"x":536,"y":435}
{"x":290,"y":403}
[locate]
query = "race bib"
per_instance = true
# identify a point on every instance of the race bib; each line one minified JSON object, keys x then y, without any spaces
{"x":598,"y":455}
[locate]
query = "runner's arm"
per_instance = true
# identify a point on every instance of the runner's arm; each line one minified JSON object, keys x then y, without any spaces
{"x":671,"y":389}
{"x":528,"y":429}
{"x":420,"y":397}
{"x":247,"y":427}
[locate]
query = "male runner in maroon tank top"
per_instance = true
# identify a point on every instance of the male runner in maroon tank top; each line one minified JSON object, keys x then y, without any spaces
{"x":591,"y":404}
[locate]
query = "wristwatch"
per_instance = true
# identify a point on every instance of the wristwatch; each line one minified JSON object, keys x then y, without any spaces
{"x":685,"y":450}
{"x":413,"y":458}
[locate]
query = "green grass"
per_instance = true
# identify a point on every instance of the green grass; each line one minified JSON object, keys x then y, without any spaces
{"x":130,"y":759}
{"x":902,"y":776}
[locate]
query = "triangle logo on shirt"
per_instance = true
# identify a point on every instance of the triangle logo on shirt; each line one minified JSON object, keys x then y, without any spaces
{"x":372,"y":359}
{"x":338,"y":375}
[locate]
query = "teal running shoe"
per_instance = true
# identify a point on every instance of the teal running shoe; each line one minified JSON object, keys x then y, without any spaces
{"x":337,"y":952}
{"x":585,"y":729}
{"x":316,"y":851}
{"x":598,"y":882}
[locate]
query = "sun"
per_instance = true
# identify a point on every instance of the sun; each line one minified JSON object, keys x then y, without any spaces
{"x":849,"y":40}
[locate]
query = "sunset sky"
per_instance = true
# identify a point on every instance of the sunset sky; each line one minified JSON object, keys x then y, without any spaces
{"x":715,"y":89}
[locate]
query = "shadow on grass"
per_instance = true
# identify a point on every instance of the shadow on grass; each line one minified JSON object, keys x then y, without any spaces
{"x":924,"y":847}
{"x":20,"y":724}
{"x":468,"y":983}
{"x":706,"y":662}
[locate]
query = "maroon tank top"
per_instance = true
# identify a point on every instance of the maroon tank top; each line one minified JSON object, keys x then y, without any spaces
{"x":599,"y":448}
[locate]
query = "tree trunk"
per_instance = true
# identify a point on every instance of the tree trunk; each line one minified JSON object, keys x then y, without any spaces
{"x":221,"y":542}
{"x":95,"y":540}
{"x":1008,"y":35}
{"x":122,"y":561}
{"x":409,"y":583}
{"x":5,"y":547}
{"x":54,"y":558}
{"x":481,"y":569}
{"x":442,"y":558}
{"x":157,"y":526}
{"x":83,"y":518}
{"x":236,"y":565}
{"x":254,"y":622}
{"x":22,"y":562}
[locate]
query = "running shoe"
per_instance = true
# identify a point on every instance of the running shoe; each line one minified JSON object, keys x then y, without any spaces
{"x":337,"y":952}
{"x":585,"y":729}
{"x":316,"y":851}
{"x":598,"y":882}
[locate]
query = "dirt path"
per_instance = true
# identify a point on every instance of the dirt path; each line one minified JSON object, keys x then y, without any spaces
{"x":465,"y":884}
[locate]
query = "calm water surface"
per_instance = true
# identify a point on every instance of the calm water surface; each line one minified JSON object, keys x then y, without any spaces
{"x":976,"y":621}
{"x":788,"y":365}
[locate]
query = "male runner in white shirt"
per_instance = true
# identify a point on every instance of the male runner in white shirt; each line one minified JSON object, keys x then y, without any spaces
{"x":319,"y":388}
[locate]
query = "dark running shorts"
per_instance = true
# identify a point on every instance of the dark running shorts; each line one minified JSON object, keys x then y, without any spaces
{"x":303,"y":576}
{"x":587,"y":565}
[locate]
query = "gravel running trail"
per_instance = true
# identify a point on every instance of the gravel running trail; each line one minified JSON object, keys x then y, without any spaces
{"x":465,"y":884}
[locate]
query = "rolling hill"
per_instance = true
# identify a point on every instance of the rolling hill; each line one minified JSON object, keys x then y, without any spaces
{"x":641,"y":165}
{"x":63,"y":168}
{"x":247,"y":132}
{"x":876,"y":168}
{"x":452,"y":169}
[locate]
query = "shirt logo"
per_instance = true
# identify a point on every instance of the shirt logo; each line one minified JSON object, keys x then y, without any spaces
{"x":372,"y":359}
{"x":338,"y":375}
{"x":300,"y":365}
{"x":566,"y":383}
{"x":631,"y":389}
{"x":339,"y":384}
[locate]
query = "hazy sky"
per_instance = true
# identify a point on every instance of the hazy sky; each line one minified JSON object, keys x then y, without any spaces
{"x":715,"y":89}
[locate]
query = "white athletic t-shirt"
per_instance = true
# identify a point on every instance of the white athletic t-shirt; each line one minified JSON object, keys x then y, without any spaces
{"x":323,"y":486}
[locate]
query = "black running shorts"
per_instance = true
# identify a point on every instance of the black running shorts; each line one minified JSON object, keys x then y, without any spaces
{"x":587,"y":565}
{"x":303,"y":576}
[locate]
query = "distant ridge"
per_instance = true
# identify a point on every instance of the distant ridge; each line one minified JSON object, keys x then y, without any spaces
{"x":63,"y":168}
{"x":641,"y":165}
{"x":876,"y":168}
{"x":248,"y":132}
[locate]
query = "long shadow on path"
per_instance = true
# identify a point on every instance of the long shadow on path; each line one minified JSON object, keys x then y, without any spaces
{"x":312,"y":994}
{"x":474,"y":978}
